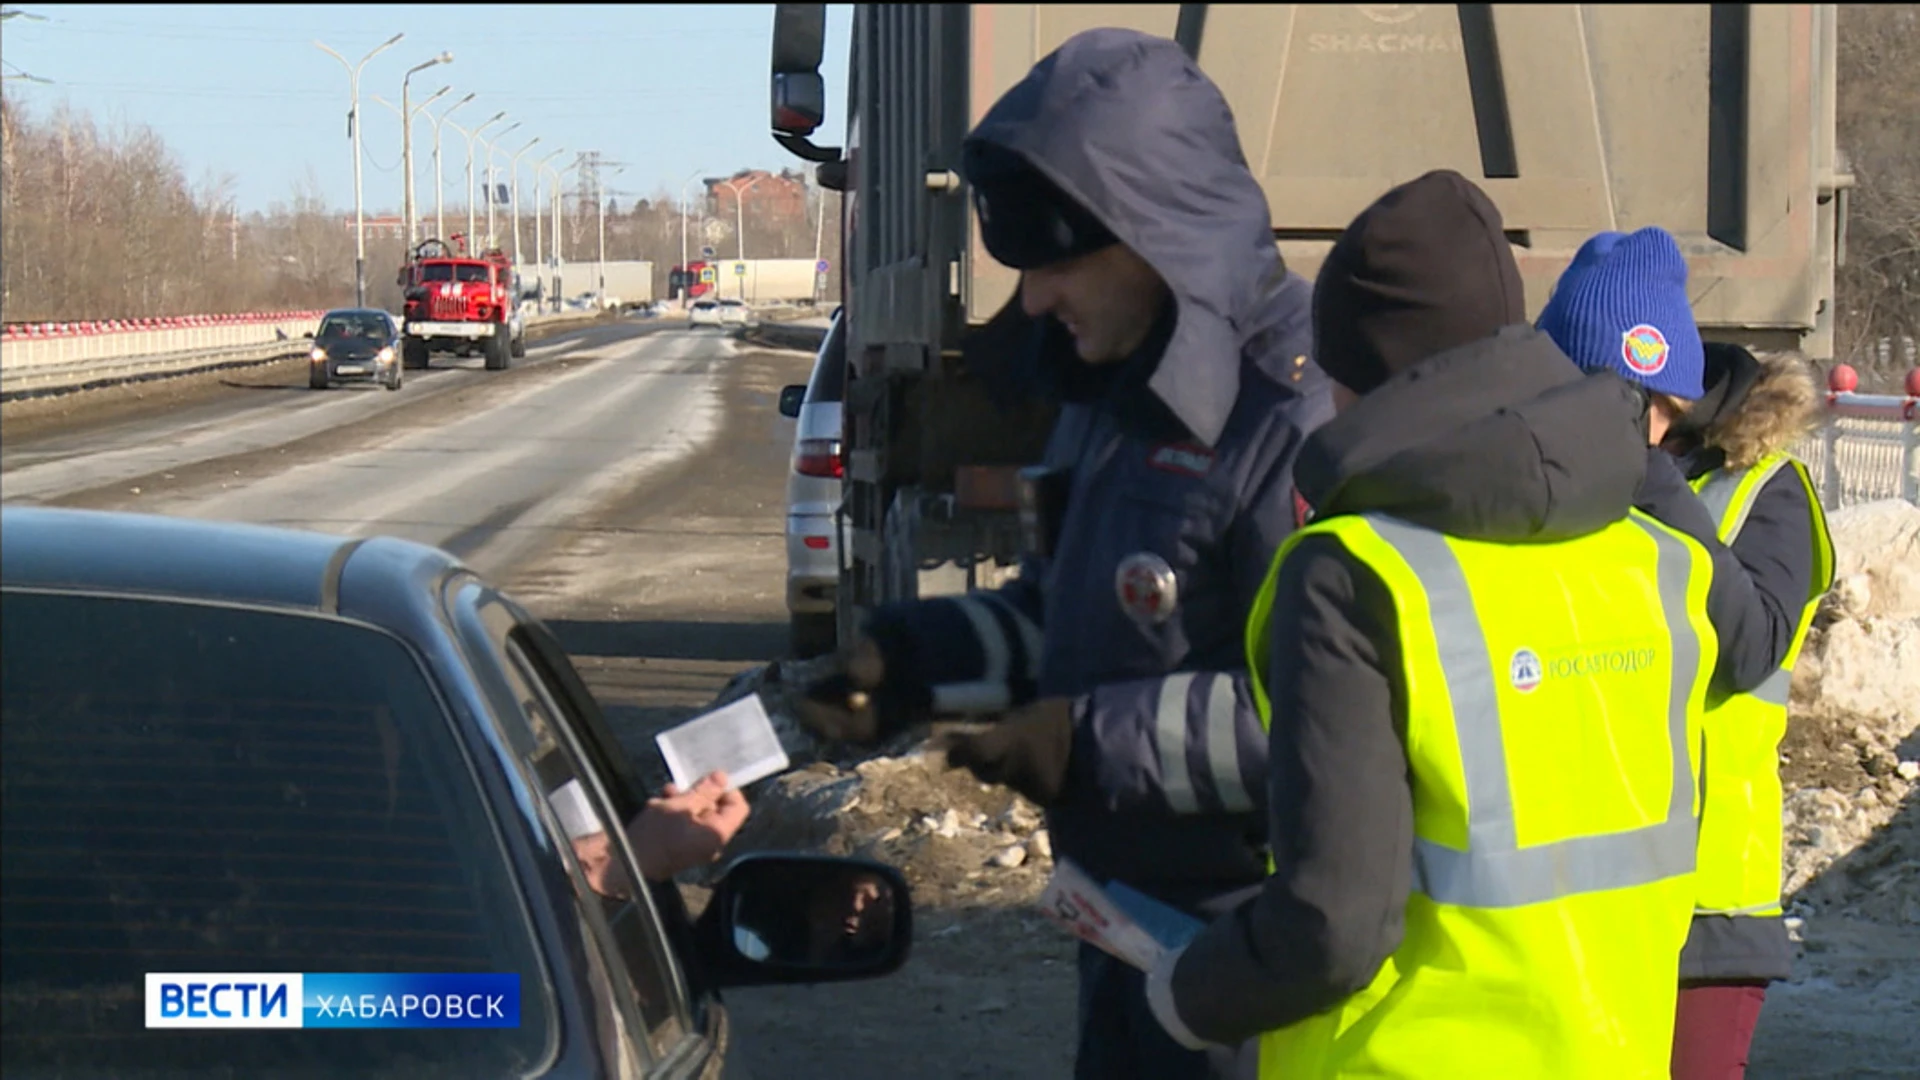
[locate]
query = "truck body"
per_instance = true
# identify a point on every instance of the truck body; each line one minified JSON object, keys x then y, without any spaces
{"x":765,"y":281}
{"x":462,"y":304}
{"x":1715,"y":122}
{"x":626,"y":283}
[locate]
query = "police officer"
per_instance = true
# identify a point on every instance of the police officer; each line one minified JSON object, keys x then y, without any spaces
{"x":1485,"y":675}
{"x":1177,"y":344}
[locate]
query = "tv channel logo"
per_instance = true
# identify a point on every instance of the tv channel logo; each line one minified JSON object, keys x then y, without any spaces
{"x":331,"y":1000}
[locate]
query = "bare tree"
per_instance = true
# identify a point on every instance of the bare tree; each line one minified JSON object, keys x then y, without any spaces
{"x":1879,"y":129}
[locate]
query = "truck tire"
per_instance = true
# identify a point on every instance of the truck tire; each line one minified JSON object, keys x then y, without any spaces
{"x":519,"y":346}
{"x":812,"y":634}
{"x":413,"y":354}
{"x":499,"y":350}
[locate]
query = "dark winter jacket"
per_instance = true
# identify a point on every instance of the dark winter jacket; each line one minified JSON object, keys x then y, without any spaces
{"x":1185,"y":453}
{"x":1754,"y":406}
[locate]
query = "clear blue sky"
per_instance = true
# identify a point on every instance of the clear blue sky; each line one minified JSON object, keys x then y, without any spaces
{"x":240,"y":90}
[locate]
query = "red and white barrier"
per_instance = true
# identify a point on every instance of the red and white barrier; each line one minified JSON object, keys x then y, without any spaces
{"x":26,"y":347}
{"x":1869,"y":446}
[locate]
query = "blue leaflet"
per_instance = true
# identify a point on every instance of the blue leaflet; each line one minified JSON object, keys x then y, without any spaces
{"x":1169,"y":926}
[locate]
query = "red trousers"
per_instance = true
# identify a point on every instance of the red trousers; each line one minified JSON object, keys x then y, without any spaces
{"x":1712,"y":1029}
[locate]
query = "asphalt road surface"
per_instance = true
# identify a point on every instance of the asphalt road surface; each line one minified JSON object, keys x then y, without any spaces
{"x":625,"y":481}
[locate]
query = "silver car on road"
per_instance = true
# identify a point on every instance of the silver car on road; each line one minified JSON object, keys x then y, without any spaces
{"x":814,"y":493}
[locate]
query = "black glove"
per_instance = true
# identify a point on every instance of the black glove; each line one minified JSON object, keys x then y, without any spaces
{"x":1027,"y":750}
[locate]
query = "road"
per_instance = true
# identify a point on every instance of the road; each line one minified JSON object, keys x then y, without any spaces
{"x":625,"y":482}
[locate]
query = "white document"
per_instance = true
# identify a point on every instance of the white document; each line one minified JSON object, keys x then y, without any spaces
{"x":737,"y":738}
{"x":1078,"y":903}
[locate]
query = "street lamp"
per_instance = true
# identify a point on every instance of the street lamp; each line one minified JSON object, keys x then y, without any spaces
{"x":559,"y":205}
{"x":406,"y":135}
{"x":439,"y":215}
{"x":406,"y":150}
{"x":353,"y":132}
{"x":686,"y":287}
{"x":601,"y":200}
{"x":514,"y":168}
{"x":470,"y":136}
{"x":740,"y":216}
{"x":539,"y":234}
{"x":490,"y":144}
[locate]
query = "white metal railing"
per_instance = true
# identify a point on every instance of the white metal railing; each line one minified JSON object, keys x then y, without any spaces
{"x":1869,"y":446}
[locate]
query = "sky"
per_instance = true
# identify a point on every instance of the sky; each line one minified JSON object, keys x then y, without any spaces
{"x":665,"y":90}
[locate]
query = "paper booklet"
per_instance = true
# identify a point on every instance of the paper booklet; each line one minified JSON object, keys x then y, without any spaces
{"x":1119,"y":920}
{"x":738,"y":738}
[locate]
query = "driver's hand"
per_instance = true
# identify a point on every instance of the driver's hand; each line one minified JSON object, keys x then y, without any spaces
{"x":840,"y":707}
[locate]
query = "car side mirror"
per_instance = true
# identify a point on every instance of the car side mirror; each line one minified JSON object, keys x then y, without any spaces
{"x":802,"y":918}
{"x":791,"y":398}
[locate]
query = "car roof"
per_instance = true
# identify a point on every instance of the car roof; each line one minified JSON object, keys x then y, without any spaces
{"x":356,"y":311}
{"x":191,"y":559}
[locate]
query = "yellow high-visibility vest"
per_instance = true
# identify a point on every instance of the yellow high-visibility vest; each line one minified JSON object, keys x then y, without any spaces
{"x":1554,"y":702}
{"x":1741,"y":812}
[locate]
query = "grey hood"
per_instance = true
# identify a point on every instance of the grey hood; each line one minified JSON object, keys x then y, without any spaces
{"x":1501,"y":439}
{"x":1126,"y":125}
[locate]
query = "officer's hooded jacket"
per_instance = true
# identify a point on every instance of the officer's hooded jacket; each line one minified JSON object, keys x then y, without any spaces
{"x":1180,"y":457}
{"x":1497,"y":438}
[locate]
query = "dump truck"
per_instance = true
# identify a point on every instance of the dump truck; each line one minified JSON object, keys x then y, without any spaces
{"x":1714,"y":121}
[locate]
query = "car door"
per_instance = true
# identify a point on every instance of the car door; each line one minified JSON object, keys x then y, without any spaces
{"x":592,"y":790}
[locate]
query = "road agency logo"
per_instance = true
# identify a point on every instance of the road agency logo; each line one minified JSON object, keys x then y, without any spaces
{"x":1527,"y":670}
{"x":1644,"y":348}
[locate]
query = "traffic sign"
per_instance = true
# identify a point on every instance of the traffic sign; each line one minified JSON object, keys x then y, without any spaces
{"x":739,"y":269}
{"x":820,"y":267}
{"x":706,"y":252}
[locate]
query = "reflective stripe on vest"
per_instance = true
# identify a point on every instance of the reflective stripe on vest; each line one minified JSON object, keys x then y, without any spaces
{"x":1741,"y":837}
{"x":1495,"y":871}
{"x":1552,"y":884}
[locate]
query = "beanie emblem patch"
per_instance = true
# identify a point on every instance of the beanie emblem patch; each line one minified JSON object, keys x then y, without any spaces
{"x":1644,"y":349}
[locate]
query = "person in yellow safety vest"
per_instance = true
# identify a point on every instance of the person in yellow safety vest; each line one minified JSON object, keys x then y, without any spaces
{"x":1483,"y":675}
{"x":1729,"y":418}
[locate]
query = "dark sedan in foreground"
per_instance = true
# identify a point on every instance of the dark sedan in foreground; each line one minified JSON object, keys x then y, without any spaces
{"x":227,"y":748}
{"x":356,"y":345}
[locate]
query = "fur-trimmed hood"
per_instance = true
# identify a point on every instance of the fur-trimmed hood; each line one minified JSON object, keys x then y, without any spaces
{"x":1755,"y":404}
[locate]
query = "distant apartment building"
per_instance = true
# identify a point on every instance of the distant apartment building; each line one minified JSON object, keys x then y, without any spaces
{"x":778,"y":195}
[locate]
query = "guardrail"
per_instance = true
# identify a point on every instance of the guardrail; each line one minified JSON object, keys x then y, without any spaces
{"x":1869,"y":446}
{"x":45,"y":358}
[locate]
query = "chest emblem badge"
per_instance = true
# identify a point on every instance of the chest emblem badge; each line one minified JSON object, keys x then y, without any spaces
{"x":1147,"y":588}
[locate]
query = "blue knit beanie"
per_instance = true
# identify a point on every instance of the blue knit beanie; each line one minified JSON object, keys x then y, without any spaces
{"x":1622,"y":306}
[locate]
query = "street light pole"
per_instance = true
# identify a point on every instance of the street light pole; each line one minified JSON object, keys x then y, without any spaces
{"x":439,"y":189}
{"x":406,"y":136}
{"x":559,"y":206}
{"x":353,"y":131}
{"x":490,"y":144}
{"x":539,"y":233}
{"x":515,"y":169}
{"x":471,"y":226}
{"x":686,"y":287}
{"x":406,"y":152}
{"x":601,"y":200}
{"x":740,"y":225}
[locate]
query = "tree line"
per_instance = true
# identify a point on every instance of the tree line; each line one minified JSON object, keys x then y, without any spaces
{"x":105,"y":224}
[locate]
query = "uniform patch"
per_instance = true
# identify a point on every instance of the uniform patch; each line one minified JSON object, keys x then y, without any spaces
{"x":1645,"y":350}
{"x":1183,"y":458}
{"x":1302,"y":510}
{"x":1525,"y":670}
{"x":1147,"y":588}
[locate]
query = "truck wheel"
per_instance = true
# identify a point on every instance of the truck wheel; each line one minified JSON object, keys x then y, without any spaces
{"x":413,"y":354}
{"x":811,"y":634}
{"x":317,"y":377}
{"x":519,"y":347}
{"x":499,"y":350}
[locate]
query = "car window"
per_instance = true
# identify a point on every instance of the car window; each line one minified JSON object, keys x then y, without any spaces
{"x":828,"y":384}
{"x":203,"y":788}
{"x":472,"y":272}
{"x":704,"y":305}
{"x":598,"y":857}
{"x":342,"y":327}
{"x":437,"y":272}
